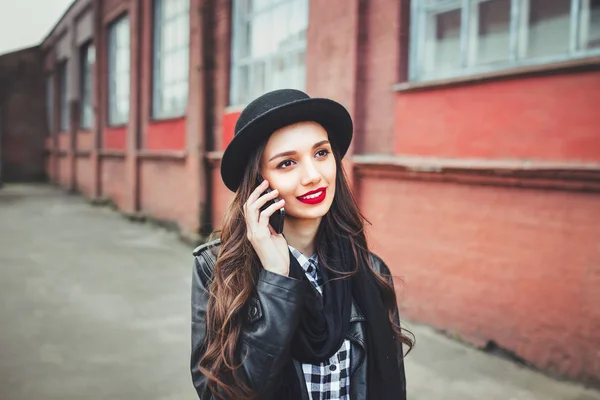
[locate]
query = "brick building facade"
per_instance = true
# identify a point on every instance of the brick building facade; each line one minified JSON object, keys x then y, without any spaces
{"x":22,"y":117}
{"x":477,"y":151}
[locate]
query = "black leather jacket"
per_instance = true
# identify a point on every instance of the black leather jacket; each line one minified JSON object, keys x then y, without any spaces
{"x":272,"y":316}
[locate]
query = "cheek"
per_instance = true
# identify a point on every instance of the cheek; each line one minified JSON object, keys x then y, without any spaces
{"x":329,"y":173}
{"x":286,"y":186}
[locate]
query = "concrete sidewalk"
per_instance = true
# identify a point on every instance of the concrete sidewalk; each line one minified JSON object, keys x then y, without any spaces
{"x":97,"y":307}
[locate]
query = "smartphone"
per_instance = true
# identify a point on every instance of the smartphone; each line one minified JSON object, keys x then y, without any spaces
{"x":276,"y":219}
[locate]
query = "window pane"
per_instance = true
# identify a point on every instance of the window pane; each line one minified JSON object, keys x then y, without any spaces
{"x":442,"y":42}
{"x":299,"y":19}
{"x":245,"y":40}
{"x":87,"y":65}
{"x":260,"y":35}
{"x":241,"y":95}
{"x":590,"y":25}
{"x":299,"y":70}
{"x":493,"y":31}
{"x":171,"y":58}
{"x":64,"y":102}
{"x":266,"y":42}
{"x":549,"y":27}
{"x":279,"y":71}
{"x":279,"y":27}
{"x":119,"y":65}
{"x":443,"y":3}
{"x":257,"y":79}
{"x":258,"y":5}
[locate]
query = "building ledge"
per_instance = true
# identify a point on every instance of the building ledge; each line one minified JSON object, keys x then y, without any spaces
{"x":112,"y":153}
{"x":584,"y":64}
{"x":580,"y":176}
{"x":162,"y":154}
{"x":214,"y":157}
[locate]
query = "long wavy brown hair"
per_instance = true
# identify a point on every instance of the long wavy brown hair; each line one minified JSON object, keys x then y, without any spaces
{"x":236,"y":275}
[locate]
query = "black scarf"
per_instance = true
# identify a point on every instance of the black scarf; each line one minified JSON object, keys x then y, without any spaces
{"x":326,"y":320}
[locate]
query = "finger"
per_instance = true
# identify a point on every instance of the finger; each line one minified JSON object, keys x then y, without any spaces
{"x":262,"y":200}
{"x":264,"y":215}
{"x":257,"y":192}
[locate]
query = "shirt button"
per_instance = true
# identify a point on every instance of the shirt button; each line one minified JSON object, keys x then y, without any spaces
{"x":332,"y":367}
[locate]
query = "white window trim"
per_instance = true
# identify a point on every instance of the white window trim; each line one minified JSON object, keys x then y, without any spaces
{"x":579,"y":27}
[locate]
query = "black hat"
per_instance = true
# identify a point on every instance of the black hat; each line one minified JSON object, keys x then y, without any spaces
{"x":272,"y":111}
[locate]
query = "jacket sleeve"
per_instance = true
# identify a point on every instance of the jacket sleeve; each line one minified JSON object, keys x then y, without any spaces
{"x":267,"y":331}
{"x":383,"y":270}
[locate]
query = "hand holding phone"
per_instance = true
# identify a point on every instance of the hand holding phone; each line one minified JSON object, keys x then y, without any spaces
{"x":264,"y":231}
{"x":276,"y":219}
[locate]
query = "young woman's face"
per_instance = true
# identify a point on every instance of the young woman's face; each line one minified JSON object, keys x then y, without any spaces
{"x":299,"y":163}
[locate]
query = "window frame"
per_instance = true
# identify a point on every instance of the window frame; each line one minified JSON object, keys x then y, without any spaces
{"x":159,"y":57}
{"x":239,"y":21}
{"x":114,"y":119}
{"x":518,"y":29}
{"x":86,"y":84}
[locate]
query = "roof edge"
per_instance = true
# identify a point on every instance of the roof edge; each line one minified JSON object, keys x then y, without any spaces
{"x":62,"y":17}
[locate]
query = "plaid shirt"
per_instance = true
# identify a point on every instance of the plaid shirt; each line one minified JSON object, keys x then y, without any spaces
{"x":331,"y":378}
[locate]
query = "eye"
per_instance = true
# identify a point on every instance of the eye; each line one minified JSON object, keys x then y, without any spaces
{"x":322,"y":153}
{"x":284,"y":164}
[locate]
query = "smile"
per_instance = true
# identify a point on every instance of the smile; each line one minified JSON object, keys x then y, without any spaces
{"x":314,"y":197}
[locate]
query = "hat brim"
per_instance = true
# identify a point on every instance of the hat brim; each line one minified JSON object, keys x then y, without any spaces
{"x":331,"y":115}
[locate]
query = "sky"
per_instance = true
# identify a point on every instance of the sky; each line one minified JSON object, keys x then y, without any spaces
{"x":25,"y":23}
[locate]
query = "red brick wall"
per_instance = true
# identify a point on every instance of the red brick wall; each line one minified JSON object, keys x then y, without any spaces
{"x":63,"y":141}
{"x":519,"y":267}
{"x":332,"y":50}
{"x":113,"y":180}
{"x":85,"y":141}
{"x":114,"y":138}
{"x":166,"y":192}
{"x":553,"y":118}
{"x":64,"y":171}
{"x":84,"y":176}
{"x":221,"y":197}
{"x":22,"y":116}
{"x":221,"y":50}
{"x":381,"y":61}
{"x":165,"y":135}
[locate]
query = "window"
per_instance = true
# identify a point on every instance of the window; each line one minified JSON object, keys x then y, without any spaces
{"x":88,"y":58}
{"x":64,"y":97}
{"x":451,"y":38}
{"x":50,"y":103}
{"x":171,"y":57}
{"x":118,"y":72}
{"x":268,"y":47}
{"x":589,"y":34}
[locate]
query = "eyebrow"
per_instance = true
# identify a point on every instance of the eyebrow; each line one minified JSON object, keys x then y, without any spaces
{"x":292,"y":152}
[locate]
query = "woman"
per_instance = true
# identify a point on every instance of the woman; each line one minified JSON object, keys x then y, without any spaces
{"x":309,"y":313}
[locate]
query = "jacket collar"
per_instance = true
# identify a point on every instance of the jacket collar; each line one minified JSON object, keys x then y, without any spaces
{"x":356,"y":314}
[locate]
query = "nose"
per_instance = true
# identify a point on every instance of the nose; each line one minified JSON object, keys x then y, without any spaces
{"x":311,"y":174}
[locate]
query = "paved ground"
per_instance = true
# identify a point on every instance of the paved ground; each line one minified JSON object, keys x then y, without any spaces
{"x":96,"y":307}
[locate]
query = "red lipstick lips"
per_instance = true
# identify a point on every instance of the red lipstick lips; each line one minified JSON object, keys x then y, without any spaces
{"x":320,"y":196}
